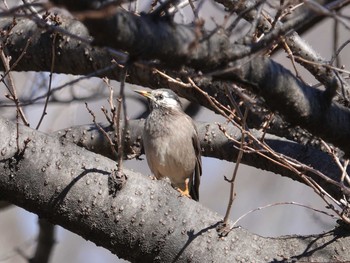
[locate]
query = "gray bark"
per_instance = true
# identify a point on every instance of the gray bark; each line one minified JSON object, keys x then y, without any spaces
{"x":146,"y":221}
{"x":214,"y":143}
{"x":315,"y":105}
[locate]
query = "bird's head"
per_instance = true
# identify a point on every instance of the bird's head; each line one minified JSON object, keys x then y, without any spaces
{"x":161,"y":99}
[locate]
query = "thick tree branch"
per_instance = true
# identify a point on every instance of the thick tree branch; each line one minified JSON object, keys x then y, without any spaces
{"x":69,"y":186}
{"x":4,"y":205}
{"x":171,"y":43}
{"x":72,"y":53}
{"x":45,"y":242}
{"x":299,"y":103}
{"x":297,"y":45}
{"x":214,"y":143}
{"x":79,"y":58}
{"x":37,"y":56}
{"x":146,"y":220}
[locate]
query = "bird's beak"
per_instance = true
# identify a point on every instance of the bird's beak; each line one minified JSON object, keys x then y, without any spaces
{"x":144,"y":93}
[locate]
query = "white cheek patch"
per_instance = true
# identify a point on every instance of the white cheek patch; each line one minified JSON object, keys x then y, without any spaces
{"x":171,"y":103}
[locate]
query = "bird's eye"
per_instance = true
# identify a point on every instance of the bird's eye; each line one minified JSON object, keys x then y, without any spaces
{"x":160,"y":97}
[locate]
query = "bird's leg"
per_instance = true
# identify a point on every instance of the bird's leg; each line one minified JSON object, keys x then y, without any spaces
{"x":185,"y":192}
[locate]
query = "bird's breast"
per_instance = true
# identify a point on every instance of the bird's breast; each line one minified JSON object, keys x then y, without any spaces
{"x":169,"y":149}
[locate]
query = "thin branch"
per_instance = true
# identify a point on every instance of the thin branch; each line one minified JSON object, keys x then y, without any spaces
{"x":13,"y":66}
{"x":11,"y":87}
{"x":337,"y":52}
{"x":53,"y":52}
{"x":110,"y":221}
{"x":121,"y":129}
{"x":278,"y":204}
{"x":101,"y":130}
{"x":225,"y":225}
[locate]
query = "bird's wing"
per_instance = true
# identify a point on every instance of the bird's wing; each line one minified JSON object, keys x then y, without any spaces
{"x":194,"y":192}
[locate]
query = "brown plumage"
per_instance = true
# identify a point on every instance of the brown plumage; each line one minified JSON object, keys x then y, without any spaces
{"x":171,"y":144}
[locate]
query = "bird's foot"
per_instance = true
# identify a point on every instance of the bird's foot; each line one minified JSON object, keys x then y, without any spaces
{"x":185,"y":192}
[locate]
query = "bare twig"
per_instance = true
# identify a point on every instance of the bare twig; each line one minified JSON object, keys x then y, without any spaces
{"x":121,"y":129}
{"x":50,"y":80}
{"x":337,"y":52}
{"x":299,"y":169}
{"x":291,"y":56}
{"x":101,"y":129}
{"x":342,"y":167}
{"x":11,"y":87}
{"x":321,"y":65}
{"x":277,"y":204}
{"x":235,"y":171}
{"x":17,"y":60}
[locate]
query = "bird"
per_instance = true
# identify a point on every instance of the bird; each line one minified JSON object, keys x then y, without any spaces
{"x":171,"y":143}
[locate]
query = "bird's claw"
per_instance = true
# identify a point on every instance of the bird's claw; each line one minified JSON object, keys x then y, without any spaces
{"x":184,"y":193}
